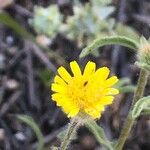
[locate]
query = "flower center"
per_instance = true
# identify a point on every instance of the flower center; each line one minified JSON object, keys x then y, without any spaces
{"x":82,"y":93}
{"x":77,"y":91}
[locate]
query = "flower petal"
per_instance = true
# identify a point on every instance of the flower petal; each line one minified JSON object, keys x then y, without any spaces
{"x":102,"y":73}
{"x":64,"y":74}
{"x":58,"y":88}
{"x":57,"y":96}
{"x":59,"y":80}
{"x":73,"y":112}
{"x":75,"y":68}
{"x":66,"y":103}
{"x":106,"y":100}
{"x":89,"y":69}
{"x":93,"y":113}
{"x":111,"y":81}
{"x":111,"y":91}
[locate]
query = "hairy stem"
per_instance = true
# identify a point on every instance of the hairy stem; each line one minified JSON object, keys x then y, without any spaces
{"x":130,"y":121}
{"x":140,"y":86}
{"x":69,"y":135}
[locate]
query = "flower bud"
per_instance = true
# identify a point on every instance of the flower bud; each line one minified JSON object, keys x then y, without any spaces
{"x":144,"y":54}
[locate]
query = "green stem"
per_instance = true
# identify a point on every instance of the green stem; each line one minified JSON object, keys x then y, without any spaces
{"x":143,"y":77}
{"x":70,"y":133}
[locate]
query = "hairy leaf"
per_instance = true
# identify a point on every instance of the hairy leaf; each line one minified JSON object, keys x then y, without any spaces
{"x":30,"y":122}
{"x":141,"y":105}
{"x":117,"y":40}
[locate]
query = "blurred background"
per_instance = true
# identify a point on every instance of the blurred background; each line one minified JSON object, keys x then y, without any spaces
{"x":38,"y":36}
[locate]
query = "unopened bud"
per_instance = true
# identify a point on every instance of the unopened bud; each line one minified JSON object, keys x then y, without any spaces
{"x":144,"y":54}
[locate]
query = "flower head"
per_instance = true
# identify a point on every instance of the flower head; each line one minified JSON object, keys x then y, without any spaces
{"x":144,"y":50}
{"x":144,"y":54}
{"x":89,"y":92}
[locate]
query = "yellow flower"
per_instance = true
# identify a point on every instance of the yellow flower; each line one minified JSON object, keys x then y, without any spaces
{"x":89,"y":92}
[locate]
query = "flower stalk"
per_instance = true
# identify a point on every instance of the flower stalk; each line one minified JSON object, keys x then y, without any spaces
{"x":70,"y":133}
{"x":143,"y":77}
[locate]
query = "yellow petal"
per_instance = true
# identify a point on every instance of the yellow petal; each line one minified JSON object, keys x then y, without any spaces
{"x":64,"y":74}
{"x":111,"y":81}
{"x":75,"y":68}
{"x":111,"y":91}
{"x":106,"y":100}
{"x":89,"y":69}
{"x":57,"y":96}
{"x":59,"y":80}
{"x":58,"y":88}
{"x":73,"y":112}
{"x":100,"y":107}
{"x":93,"y":113}
{"x":66,"y":103}
{"x":102,"y":73}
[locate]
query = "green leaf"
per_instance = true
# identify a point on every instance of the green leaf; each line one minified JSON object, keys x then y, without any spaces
{"x":98,"y":133}
{"x":124,"y":30}
{"x":47,"y":21}
{"x":124,"y":86}
{"x":117,"y":40}
{"x":30,"y":122}
{"x":7,"y":20}
{"x":141,"y":105}
{"x":122,"y":82}
{"x":127,"y":89}
{"x":146,"y":111}
{"x":103,"y":12}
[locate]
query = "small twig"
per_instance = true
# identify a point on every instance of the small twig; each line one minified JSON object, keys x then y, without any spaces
{"x":116,"y":52}
{"x":2,"y":87}
{"x":54,"y":116}
{"x":7,"y":105}
{"x":38,"y":52}
{"x":14,"y":61}
{"x":30,"y":76}
{"x":142,"y":18}
{"x":22,"y":11}
{"x":121,"y":12}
